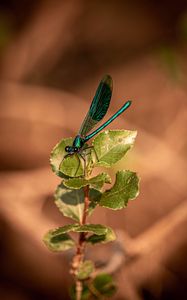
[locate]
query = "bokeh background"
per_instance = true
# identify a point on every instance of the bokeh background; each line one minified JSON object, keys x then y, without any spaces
{"x":52,"y":57}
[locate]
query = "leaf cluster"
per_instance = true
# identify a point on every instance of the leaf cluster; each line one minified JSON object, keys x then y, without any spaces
{"x":107,"y":148}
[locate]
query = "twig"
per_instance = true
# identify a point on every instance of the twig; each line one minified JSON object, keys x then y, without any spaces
{"x":86,"y":204}
{"x":79,"y":256}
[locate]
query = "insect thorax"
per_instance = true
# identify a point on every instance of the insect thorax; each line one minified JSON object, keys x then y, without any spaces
{"x":78,"y":141}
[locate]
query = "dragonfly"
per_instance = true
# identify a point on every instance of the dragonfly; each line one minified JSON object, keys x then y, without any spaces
{"x":96,"y":113}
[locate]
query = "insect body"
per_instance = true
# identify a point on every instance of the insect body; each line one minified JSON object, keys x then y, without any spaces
{"x":96,"y":113}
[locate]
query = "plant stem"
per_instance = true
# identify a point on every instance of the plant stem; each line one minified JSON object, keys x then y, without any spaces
{"x":79,"y":256}
{"x":86,"y":204}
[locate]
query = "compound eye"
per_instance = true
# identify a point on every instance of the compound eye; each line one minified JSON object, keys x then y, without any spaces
{"x":67,"y":148}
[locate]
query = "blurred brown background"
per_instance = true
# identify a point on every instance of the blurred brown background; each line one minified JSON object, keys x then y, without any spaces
{"x":52,"y":57}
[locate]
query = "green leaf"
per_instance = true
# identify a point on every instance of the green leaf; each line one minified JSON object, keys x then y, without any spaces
{"x":126,"y":188}
{"x":71,"y":202}
{"x":61,"y":165}
{"x":55,"y":237}
{"x":111,"y":145}
{"x":85,"y":270}
{"x":109,"y":236}
{"x":96,"y":182}
{"x":85,"y":292}
{"x":58,"y":243}
{"x":101,"y":287}
{"x":92,"y":228}
{"x":72,"y":166}
{"x":104,"y":285}
{"x":94,"y":196}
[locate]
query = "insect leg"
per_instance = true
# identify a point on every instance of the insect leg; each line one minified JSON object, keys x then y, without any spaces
{"x":78,"y":164}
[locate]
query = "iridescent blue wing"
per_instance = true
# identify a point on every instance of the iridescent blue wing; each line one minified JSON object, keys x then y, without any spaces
{"x":99,"y":105}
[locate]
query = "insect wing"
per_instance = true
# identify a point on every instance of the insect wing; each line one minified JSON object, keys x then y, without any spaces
{"x":99,"y":105}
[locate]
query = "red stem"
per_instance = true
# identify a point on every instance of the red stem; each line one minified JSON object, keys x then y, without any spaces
{"x":79,"y":256}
